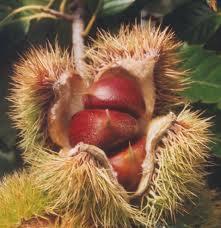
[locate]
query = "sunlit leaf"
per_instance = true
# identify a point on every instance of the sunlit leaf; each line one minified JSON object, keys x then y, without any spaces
{"x":111,"y":7}
{"x":205,"y":74}
{"x":15,"y":21}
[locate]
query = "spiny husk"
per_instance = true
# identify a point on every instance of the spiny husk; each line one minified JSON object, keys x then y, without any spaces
{"x":179,"y":173}
{"x":139,"y":43}
{"x":20,"y":199}
{"x":43,"y":222}
{"x":33,"y":92}
{"x":83,"y":192}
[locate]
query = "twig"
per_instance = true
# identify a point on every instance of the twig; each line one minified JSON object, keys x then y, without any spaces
{"x":58,"y":14}
{"x":31,"y":17}
{"x":93,"y":18}
{"x":42,"y":9}
{"x":50,"y":3}
{"x":62,"y":6}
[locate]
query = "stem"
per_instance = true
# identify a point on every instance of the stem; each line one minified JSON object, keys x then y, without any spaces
{"x":77,"y":40}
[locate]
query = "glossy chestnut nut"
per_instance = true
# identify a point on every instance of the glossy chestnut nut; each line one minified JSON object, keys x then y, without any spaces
{"x":116,"y":89}
{"x":113,"y":117}
{"x":105,"y":129}
{"x":127,"y":163}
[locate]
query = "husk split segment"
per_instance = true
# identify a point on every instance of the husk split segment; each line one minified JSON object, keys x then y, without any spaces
{"x":179,"y":168}
{"x":146,"y":52}
{"x":34,"y":91}
{"x":82,"y":190}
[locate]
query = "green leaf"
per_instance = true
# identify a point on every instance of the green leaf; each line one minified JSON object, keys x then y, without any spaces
{"x":194,"y":22}
{"x":14,"y":29}
{"x":205,"y":74}
{"x":50,"y":30}
{"x":112,"y":7}
{"x":159,"y":8}
{"x":18,"y":29}
{"x":7,"y":6}
{"x":108,"y":7}
{"x":22,"y":13}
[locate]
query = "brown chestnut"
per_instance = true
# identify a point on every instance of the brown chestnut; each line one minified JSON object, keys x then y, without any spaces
{"x":103,"y":128}
{"x":116,"y":89}
{"x":127,"y":163}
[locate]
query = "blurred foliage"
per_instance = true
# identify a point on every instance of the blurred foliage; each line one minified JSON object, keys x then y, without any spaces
{"x":194,"y":22}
